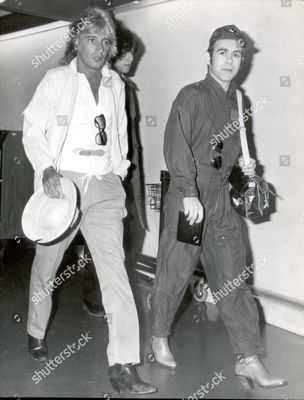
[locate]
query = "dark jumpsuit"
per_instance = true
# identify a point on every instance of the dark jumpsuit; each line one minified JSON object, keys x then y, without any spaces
{"x":200,"y":111}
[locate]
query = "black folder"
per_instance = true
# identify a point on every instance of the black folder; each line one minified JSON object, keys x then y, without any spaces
{"x":186,"y":233}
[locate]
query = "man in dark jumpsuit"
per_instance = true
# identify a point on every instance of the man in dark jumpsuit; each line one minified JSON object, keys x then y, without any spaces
{"x":199,"y":168}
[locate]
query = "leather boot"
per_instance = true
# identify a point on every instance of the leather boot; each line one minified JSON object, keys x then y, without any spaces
{"x":162,"y":352}
{"x":124,"y":379}
{"x":37,"y":348}
{"x":250,"y":370}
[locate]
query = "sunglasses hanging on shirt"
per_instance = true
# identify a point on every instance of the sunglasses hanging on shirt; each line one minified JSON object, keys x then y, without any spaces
{"x":101,"y":136}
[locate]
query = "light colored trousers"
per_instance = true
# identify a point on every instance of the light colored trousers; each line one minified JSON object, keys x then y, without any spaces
{"x":102,"y":208}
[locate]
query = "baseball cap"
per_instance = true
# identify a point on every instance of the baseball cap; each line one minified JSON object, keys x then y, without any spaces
{"x":227,"y":32}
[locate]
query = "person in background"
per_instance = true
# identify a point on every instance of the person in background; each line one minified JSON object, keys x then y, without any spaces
{"x":75,"y":126}
{"x":135,"y":222}
{"x":199,"y":168}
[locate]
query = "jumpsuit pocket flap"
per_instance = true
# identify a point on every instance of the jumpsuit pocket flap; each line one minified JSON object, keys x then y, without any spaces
{"x":190,"y":234}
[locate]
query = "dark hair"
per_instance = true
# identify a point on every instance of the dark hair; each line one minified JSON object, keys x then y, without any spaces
{"x":90,"y":16}
{"x":126,"y":41}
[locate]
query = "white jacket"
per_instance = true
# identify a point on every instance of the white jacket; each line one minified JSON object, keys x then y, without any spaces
{"x":49,"y":113}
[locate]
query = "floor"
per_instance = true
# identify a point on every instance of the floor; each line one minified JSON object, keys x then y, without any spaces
{"x":199,"y":343}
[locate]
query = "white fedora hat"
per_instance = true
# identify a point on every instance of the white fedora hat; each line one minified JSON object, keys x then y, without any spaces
{"x":44,"y":219}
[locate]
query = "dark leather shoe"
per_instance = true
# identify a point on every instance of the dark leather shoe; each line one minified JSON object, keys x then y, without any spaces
{"x":37,"y":348}
{"x":93,"y":309}
{"x":124,"y":379}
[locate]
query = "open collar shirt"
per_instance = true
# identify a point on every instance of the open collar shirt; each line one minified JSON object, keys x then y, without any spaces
{"x":80,"y":152}
{"x":49,"y":119}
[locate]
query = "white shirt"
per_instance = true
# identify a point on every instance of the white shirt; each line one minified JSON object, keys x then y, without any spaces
{"x":80,"y":152}
{"x":48,"y":115}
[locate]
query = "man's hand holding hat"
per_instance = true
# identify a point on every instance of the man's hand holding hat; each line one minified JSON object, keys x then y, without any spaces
{"x":46,"y":217}
{"x":51,"y":183}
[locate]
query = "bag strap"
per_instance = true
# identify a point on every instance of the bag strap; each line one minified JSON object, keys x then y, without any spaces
{"x":243,"y":136}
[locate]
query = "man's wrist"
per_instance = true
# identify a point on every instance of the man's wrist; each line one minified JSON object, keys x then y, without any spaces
{"x":191,"y":192}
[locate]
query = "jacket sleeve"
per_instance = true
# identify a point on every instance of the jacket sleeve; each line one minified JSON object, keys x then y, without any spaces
{"x":122,"y":132}
{"x":38,"y":116}
{"x":177,"y":144}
